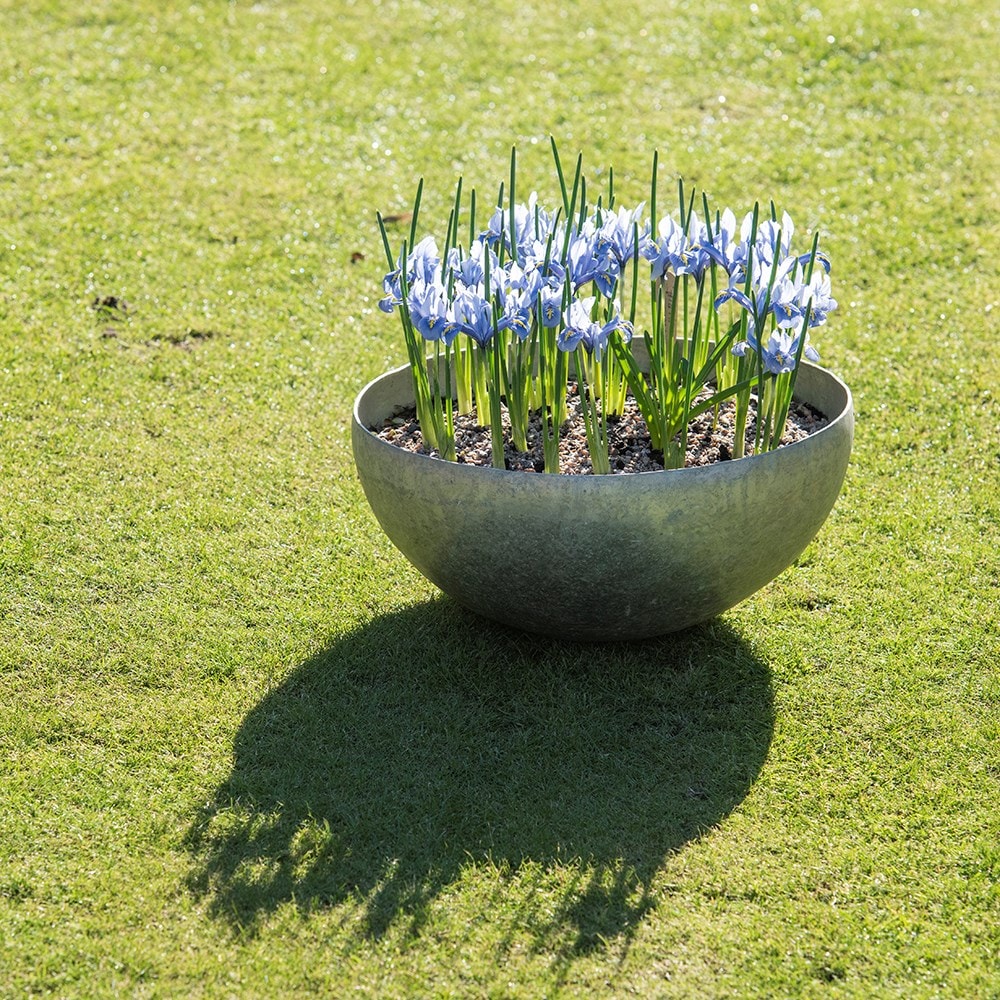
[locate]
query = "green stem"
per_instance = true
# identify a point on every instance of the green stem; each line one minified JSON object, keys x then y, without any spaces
{"x":496,"y":422}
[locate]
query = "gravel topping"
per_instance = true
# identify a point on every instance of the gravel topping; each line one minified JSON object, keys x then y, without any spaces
{"x":710,"y":438}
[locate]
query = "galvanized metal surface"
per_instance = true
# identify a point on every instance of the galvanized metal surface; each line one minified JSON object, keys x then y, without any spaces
{"x":603,"y":557}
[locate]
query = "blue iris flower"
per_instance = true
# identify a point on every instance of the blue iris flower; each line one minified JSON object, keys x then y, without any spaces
{"x":516,"y":317}
{"x":526,"y":281}
{"x":467,"y":269}
{"x":756,"y":305}
{"x":787,"y":304}
{"x":428,"y":308}
{"x":724,"y":248}
{"x":421,"y":264}
{"x":816,"y":295}
{"x":774,"y":238}
{"x":779,"y":352}
{"x":517,"y":293}
{"x":609,"y":270}
{"x":677,"y":250}
{"x":618,"y":233}
{"x":592,"y":258}
{"x":535,"y":257}
{"x":531,"y":224}
{"x":581,"y":261}
{"x":393,"y":292}
{"x":582,"y":329}
{"x":471,"y":313}
{"x":550,"y":305}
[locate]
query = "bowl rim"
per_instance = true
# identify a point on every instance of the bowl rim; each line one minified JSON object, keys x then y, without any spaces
{"x":738,"y":466}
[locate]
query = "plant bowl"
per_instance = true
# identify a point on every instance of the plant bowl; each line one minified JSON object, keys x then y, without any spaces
{"x":603,"y":557}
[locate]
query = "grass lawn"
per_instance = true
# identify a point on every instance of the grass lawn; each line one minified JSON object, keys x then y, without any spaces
{"x":246,"y":750}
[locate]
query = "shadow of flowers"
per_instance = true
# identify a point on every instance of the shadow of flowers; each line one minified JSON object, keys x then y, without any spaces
{"x":429,"y":741}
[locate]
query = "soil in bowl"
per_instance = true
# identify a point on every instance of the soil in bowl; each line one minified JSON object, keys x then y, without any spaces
{"x":710,"y":438}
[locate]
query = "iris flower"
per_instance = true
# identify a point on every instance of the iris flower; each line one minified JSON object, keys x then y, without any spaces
{"x":550,"y":304}
{"x":471,"y":313}
{"x":816,"y":295}
{"x":421,"y":264}
{"x":779,"y":352}
{"x":582,"y":329}
{"x":617,"y":232}
{"x":531,"y":224}
{"x":428,"y":307}
{"x":677,"y":251}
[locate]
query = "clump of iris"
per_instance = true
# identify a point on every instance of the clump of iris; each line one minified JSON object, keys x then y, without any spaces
{"x":505,"y":320}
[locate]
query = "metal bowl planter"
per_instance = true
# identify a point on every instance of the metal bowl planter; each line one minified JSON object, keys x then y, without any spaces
{"x":603,"y":557}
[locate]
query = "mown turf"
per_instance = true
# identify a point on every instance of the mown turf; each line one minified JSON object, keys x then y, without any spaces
{"x":245,"y":750}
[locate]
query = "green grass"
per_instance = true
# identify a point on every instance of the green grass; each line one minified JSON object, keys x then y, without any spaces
{"x":245,"y":750}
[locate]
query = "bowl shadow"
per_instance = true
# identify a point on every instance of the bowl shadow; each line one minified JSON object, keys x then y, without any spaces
{"x":430,"y":740}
